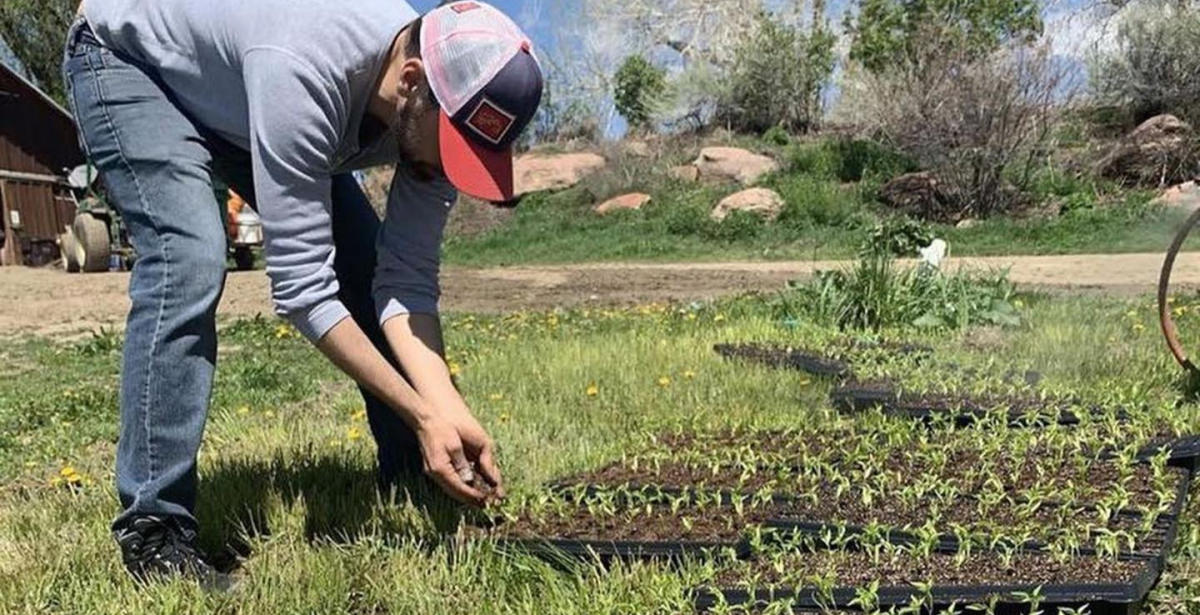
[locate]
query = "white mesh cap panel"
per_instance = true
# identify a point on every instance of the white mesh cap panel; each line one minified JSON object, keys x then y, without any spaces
{"x":464,"y":45}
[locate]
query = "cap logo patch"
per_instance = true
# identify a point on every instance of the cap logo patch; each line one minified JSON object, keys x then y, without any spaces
{"x":463,"y":7}
{"x":490,"y":121}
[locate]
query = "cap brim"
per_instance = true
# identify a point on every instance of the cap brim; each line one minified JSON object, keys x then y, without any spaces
{"x":475,"y":170}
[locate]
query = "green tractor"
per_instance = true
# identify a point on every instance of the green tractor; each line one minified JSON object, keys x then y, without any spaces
{"x":97,"y":240}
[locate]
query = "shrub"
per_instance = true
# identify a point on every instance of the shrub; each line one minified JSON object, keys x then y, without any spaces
{"x":1153,"y":65}
{"x":638,"y":91}
{"x":876,"y":295}
{"x":813,"y":201}
{"x":776,"y":79}
{"x":977,"y":123}
{"x":738,"y":225}
{"x":849,"y":160}
{"x":896,"y":236}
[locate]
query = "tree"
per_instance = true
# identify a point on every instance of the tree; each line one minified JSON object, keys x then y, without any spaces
{"x":889,"y":33}
{"x":639,"y":90}
{"x":1153,"y":63}
{"x":777,"y":78}
{"x":35,"y":31}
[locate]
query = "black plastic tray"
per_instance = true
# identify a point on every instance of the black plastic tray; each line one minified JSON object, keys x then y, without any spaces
{"x":807,"y":361}
{"x":860,"y":398}
{"x":1102,"y":598}
{"x":557,"y":550}
{"x":1185,"y":451}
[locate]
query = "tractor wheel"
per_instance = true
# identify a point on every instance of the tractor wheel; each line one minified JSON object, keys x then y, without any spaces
{"x":92,"y":243}
{"x":244,"y":258}
{"x":67,"y":247}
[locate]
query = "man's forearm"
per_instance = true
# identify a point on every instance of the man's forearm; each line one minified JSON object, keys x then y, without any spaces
{"x":416,"y":340}
{"x":350,"y":349}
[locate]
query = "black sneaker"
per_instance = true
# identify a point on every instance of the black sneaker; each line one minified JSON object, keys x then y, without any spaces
{"x":160,"y":547}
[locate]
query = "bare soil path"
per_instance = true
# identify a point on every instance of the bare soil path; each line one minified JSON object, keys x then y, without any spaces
{"x":48,"y":301}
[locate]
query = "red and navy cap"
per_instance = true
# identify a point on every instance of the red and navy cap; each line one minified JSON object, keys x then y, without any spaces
{"x":484,"y":74}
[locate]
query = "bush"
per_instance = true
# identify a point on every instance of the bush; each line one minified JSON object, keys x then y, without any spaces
{"x":896,"y":236}
{"x":739,"y":225}
{"x":812,"y":201}
{"x":639,"y":90}
{"x":876,"y":295}
{"x":1153,"y":67}
{"x":776,"y":79}
{"x":976,"y":123}
{"x":849,"y":160}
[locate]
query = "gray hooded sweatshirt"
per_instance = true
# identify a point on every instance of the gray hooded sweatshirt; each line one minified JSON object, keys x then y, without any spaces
{"x":290,"y":81}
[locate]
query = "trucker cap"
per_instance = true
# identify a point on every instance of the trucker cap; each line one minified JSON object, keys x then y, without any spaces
{"x":484,"y":74}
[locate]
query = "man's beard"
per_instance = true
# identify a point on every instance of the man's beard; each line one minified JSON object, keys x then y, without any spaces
{"x":408,"y":138}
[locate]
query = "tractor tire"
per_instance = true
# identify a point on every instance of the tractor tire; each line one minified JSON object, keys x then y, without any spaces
{"x":93,"y":247}
{"x":67,"y":247}
{"x":243,"y":258}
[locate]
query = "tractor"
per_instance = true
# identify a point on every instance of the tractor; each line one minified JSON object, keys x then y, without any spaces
{"x":98,"y":241}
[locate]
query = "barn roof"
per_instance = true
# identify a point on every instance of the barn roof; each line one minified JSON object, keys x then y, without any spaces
{"x":36,"y":91}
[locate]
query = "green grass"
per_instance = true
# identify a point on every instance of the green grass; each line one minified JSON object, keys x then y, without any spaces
{"x":287,"y":463}
{"x":829,"y":188}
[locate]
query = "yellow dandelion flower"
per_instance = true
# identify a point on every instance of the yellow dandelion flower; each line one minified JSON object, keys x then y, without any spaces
{"x":334,"y":443}
{"x":805,"y":382}
{"x":243,"y":410}
{"x":496,"y":396}
{"x":1137,"y":326}
{"x":1017,"y":303}
{"x":270,"y":414}
{"x":664,"y":381}
{"x":593,"y":390}
{"x":691,"y":316}
{"x":67,"y":471}
{"x":689,"y":374}
{"x":504,"y":417}
{"x":455,"y":368}
{"x":282,"y":331}
{"x":719,"y":318}
{"x":552,"y":321}
{"x":359,"y":416}
{"x":353,"y":434}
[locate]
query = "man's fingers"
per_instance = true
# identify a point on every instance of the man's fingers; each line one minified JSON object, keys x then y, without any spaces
{"x":450,"y":480}
{"x":491,"y":472}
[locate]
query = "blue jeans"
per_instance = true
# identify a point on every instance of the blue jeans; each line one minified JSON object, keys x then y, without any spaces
{"x":157,"y":165}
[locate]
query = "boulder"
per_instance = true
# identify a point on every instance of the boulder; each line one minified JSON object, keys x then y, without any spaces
{"x":1163,"y":150}
{"x":539,"y":172}
{"x":626,"y":201}
{"x":967,"y":223}
{"x":637,"y":149}
{"x":920,"y":195}
{"x":732,"y":163}
{"x":761,"y":202}
{"x":1184,"y":196}
{"x":685,"y":173}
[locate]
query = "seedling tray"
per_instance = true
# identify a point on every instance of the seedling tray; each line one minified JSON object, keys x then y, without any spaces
{"x":558,"y":550}
{"x":964,"y":411}
{"x":1101,"y":598}
{"x":807,"y":361}
{"x":1184,"y":451}
{"x":1166,"y":529}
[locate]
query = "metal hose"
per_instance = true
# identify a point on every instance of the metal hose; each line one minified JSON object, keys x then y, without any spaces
{"x":1164,"y":287}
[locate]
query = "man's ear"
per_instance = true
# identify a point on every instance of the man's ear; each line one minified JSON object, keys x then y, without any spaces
{"x":412,"y":75}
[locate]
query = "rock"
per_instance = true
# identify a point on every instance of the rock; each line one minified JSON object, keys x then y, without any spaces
{"x":538,"y":172}
{"x":626,"y":201}
{"x":918,"y":194}
{"x":732,"y":163}
{"x":967,"y":223}
{"x":1184,"y":196}
{"x":685,"y":173}
{"x":1163,"y":150}
{"x":762,"y":202}
{"x":637,"y":149}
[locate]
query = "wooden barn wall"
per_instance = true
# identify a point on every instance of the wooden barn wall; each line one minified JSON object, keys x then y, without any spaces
{"x":35,"y":136}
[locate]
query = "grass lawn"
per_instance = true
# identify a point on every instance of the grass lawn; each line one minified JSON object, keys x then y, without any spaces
{"x":830,"y":195}
{"x":287,"y":462}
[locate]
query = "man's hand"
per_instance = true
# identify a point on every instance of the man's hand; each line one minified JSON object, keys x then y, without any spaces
{"x":453,"y":446}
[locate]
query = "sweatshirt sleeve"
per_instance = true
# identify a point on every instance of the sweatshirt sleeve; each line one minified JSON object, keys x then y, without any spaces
{"x":294,"y":116}
{"x":409,"y":246}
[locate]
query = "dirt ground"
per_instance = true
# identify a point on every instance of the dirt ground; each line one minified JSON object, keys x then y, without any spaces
{"x":50,"y":302}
